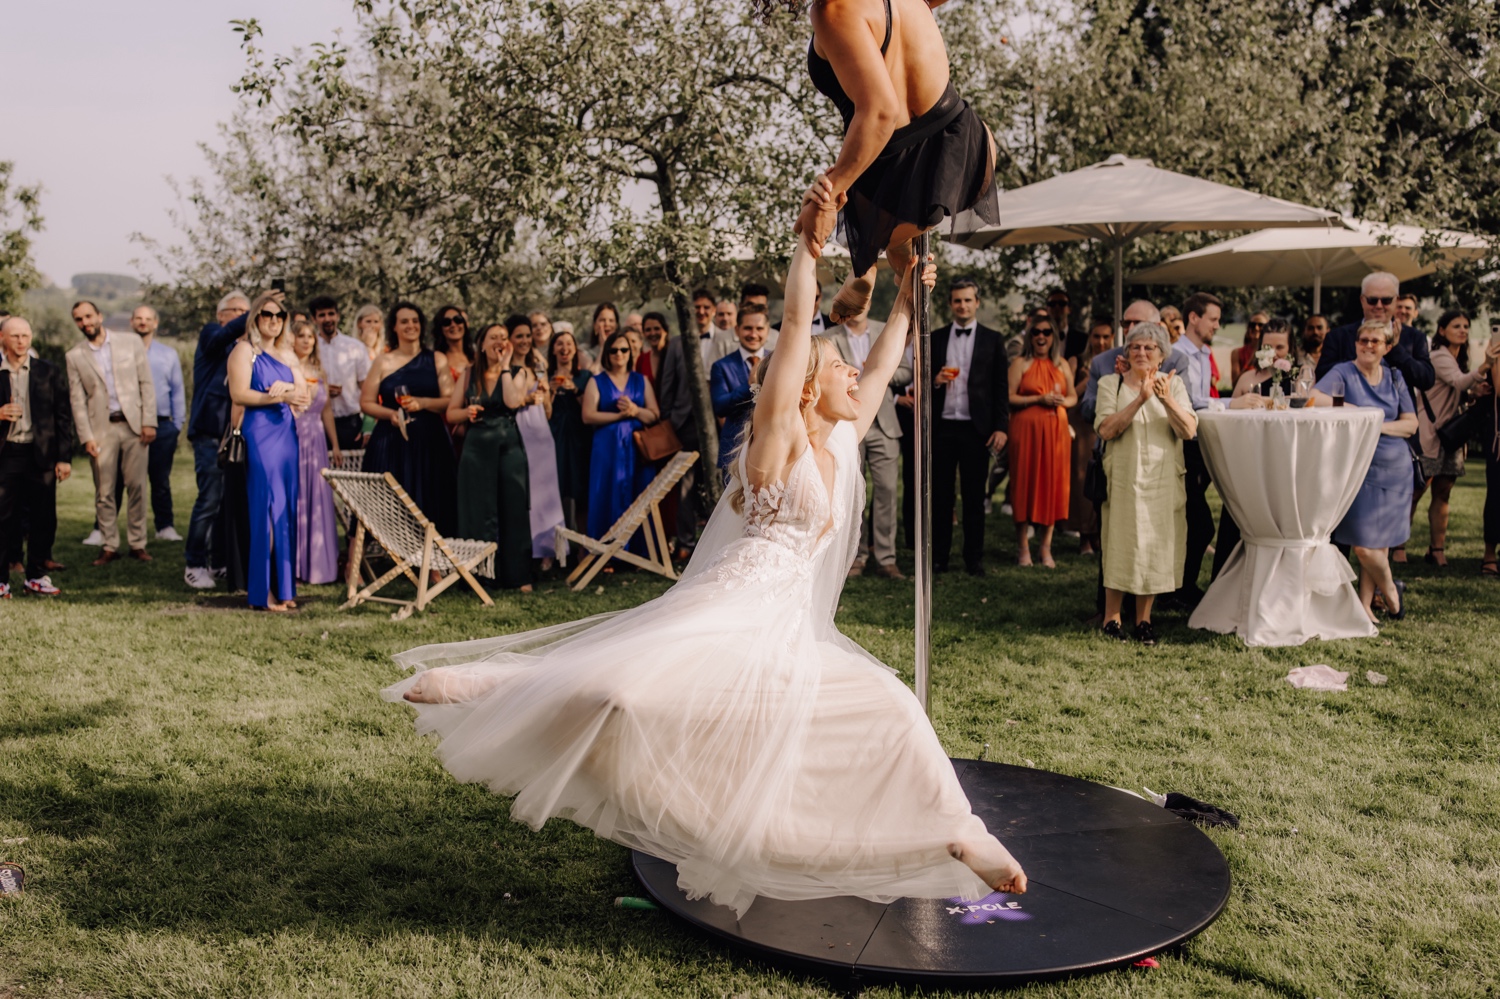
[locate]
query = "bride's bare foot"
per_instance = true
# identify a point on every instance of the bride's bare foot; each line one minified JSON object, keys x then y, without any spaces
{"x":993,"y":863}
{"x":853,"y":299}
{"x":424,"y":691}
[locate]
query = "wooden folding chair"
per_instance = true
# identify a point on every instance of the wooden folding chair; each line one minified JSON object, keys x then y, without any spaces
{"x":381,"y":509}
{"x":644,"y":513}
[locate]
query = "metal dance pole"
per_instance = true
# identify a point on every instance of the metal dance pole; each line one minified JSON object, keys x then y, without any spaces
{"x":922,"y":451}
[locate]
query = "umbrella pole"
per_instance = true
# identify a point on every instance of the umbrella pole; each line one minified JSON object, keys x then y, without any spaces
{"x":1119,"y":293}
{"x":922,"y":452}
{"x":1318,"y":294}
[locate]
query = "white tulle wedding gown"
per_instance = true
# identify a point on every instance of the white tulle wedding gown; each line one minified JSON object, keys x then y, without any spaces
{"x":726,"y":726}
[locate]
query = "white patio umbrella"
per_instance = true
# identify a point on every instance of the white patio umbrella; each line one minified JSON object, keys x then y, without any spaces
{"x":1296,"y":258}
{"x":1122,"y":199}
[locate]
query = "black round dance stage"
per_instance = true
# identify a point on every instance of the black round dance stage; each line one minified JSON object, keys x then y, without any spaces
{"x":1112,"y":879}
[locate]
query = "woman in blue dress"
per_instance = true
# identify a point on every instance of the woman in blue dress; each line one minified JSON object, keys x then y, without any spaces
{"x":1380,"y":518}
{"x":265,"y":378}
{"x":407,"y":392}
{"x":617,"y":402}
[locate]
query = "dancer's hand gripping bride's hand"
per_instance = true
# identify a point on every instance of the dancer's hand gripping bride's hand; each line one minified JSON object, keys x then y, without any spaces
{"x":820,"y":213}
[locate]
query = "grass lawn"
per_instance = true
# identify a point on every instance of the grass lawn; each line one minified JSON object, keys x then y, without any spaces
{"x":215,"y":803}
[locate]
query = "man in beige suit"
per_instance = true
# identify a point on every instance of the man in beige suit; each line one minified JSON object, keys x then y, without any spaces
{"x":114,"y":412}
{"x":879,"y":451}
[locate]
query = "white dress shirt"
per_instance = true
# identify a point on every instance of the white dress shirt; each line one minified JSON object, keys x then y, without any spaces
{"x":960,"y":354}
{"x":346,"y":362}
{"x":706,"y":346}
{"x":859,"y":347}
{"x":20,"y":392}
{"x":104,"y":357}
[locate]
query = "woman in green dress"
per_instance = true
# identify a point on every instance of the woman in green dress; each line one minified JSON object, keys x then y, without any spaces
{"x":494,"y":500}
{"x":1144,"y":416}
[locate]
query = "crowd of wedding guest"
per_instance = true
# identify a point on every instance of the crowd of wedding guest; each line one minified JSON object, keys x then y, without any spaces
{"x":505,"y":431}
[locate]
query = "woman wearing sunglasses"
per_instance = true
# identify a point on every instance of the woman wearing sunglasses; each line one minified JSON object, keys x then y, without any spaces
{"x":1380,"y":517}
{"x":617,"y":402}
{"x":266,"y":379}
{"x":1041,"y":393}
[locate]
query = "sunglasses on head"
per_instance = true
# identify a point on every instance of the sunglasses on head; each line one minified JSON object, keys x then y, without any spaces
{"x":268,"y":314}
{"x":1380,"y":299}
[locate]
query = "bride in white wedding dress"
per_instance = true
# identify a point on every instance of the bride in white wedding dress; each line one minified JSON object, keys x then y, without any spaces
{"x":728,"y":726}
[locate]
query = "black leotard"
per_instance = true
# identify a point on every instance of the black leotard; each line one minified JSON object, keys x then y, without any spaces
{"x":827,"y":81}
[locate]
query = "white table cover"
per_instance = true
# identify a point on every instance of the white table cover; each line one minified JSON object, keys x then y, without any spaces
{"x":1288,"y":477}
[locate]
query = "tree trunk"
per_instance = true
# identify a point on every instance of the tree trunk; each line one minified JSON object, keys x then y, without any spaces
{"x":709,"y":484}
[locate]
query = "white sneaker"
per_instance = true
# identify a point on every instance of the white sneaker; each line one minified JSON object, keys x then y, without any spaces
{"x":41,"y":587}
{"x":1005,"y":510}
{"x":989,"y":507}
{"x":95,"y":538}
{"x":168,"y":533}
{"x":198,"y":577}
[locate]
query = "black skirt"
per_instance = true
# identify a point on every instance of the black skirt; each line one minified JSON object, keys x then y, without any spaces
{"x":936,"y":166}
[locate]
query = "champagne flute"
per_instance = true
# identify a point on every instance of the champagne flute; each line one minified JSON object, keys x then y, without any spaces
{"x":403,"y":394}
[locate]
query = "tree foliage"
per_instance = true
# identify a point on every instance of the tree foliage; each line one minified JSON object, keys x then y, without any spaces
{"x":20,"y":215}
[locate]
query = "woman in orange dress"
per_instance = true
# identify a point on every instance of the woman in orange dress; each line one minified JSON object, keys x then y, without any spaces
{"x":1041,"y":449}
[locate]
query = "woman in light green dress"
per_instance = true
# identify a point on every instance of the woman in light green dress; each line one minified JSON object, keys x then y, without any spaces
{"x":1144,"y":416}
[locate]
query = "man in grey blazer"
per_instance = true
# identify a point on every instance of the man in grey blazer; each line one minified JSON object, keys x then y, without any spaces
{"x":114,"y":413}
{"x":880,"y":451}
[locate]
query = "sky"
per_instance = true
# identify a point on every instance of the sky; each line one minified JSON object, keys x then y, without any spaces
{"x":103,"y":100}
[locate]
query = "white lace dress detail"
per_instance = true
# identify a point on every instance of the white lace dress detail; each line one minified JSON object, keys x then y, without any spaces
{"x":787,"y":524}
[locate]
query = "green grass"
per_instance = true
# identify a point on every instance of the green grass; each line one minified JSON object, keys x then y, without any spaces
{"x":217,"y":804}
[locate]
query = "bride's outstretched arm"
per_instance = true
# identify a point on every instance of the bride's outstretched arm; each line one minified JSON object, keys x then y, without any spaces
{"x":885,"y":355}
{"x":776,"y":425}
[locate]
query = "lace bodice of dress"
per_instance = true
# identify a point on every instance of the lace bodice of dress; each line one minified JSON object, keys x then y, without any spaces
{"x":796,"y":512}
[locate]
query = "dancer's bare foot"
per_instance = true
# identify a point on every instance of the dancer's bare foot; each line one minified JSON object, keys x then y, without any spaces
{"x":852,"y":300}
{"x":900,"y":255}
{"x":993,"y":863}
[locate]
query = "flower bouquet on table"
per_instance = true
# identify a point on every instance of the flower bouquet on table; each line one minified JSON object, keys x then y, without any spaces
{"x":1280,"y":374}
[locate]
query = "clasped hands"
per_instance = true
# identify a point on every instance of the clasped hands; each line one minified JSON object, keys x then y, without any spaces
{"x":820,"y":213}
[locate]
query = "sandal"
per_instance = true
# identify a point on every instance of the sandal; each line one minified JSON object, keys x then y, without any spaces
{"x":1431,"y":558}
{"x":1398,"y":555}
{"x":1490,"y":568}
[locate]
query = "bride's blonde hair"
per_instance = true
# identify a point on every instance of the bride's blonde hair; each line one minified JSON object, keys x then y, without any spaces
{"x":814,"y":368}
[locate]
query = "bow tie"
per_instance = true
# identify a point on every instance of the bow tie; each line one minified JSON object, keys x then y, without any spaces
{"x":705,"y":336}
{"x":962,"y":330}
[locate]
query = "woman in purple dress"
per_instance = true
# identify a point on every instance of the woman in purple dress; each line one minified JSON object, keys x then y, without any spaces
{"x":317,"y":524}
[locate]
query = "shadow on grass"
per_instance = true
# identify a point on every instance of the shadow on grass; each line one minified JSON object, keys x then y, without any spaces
{"x":61,"y":721}
{"x":368,"y":858}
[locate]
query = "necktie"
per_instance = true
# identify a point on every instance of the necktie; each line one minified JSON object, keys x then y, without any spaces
{"x":752,"y":360}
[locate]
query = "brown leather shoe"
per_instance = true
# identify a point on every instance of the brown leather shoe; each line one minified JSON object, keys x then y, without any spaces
{"x":52,"y":566}
{"x":141,"y":555}
{"x":856,"y":570}
{"x":106,"y":557}
{"x":890,"y":571}
{"x":16,"y":567}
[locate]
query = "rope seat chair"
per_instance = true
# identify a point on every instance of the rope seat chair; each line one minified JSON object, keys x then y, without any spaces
{"x":644,"y":513}
{"x":382,"y":510}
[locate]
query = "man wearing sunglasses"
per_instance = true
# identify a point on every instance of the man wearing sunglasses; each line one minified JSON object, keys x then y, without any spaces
{"x":1378,"y":293}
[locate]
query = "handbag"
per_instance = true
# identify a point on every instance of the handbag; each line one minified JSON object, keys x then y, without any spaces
{"x":1469,"y":425}
{"x":657,"y":441}
{"x":232,"y":448}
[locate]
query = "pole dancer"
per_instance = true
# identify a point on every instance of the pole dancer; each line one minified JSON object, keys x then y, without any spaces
{"x":913,"y":153}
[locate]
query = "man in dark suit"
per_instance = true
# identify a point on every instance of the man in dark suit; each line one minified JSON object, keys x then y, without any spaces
{"x":971,"y":415}
{"x":36,"y":441}
{"x":1410,"y":355}
{"x":729,"y":381}
{"x":207,"y":421}
{"x":674,"y":394}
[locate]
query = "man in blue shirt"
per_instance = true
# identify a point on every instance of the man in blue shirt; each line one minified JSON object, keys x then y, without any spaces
{"x":171,"y":414}
{"x":1201,"y":313}
{"x":209,"y":420}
